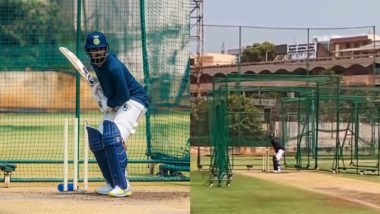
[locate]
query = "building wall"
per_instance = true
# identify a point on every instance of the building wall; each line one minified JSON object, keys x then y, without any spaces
{"x":49,"y":91}
{"x":358,"y":79}
{"x":212,"y":59}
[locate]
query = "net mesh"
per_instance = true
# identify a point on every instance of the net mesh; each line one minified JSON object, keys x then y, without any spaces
{"x":40,"y":89}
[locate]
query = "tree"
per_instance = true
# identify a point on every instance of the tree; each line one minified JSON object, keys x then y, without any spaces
{"x":245,"y":119}
{"x":258,"y":52}
{"x":199,"y":122}
{"x":30,"y":33}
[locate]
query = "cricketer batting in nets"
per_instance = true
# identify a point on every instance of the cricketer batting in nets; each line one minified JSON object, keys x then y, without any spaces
{"x":124,"y":102}
{"x":279,"y":152}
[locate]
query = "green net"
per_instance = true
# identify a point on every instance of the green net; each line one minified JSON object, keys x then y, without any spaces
{"x":321,"y":124}
{"x":40,"y":89}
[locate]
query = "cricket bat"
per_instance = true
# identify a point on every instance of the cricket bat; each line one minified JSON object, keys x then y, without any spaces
{"x":78,"y":65}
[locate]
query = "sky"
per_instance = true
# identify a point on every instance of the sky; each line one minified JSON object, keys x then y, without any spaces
{"x":285,"y":14}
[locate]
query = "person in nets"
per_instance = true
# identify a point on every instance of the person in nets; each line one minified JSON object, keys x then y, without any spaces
{"x":279,"y":152}
{"x":123,"y":101}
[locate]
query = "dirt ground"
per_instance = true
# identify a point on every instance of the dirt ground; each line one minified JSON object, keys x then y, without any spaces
{"x":168,"y":198}
{"x":355,"y":190}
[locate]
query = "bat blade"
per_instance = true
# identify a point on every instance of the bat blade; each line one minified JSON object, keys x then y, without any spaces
{"x":78,"y":65}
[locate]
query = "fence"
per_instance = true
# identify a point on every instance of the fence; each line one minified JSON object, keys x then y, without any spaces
{"x":345,"y":51}
{"x":321,"y":123}
{"x":281,"y":44}
{"x":39,"y":88}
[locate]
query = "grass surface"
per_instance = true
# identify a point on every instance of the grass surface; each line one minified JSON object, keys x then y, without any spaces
{"x":250,"y":195}
{"x":240,"y":162}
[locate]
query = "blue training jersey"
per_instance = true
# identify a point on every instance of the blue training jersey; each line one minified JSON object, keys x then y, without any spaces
{"x":118,"y":84}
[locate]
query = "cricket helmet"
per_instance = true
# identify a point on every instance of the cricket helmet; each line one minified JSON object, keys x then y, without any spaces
{"x":94,"y":41}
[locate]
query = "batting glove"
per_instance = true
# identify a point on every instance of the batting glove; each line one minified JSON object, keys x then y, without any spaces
{"x":98,"y":95}
{"x":103,"y":105}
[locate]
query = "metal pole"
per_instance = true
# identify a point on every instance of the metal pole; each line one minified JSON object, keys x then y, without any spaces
{"x":239,"y":60}
{"x":374,"y":53}
{"x":77,"y":103}
{"x":308,"y":53}
{"x":146,"y":68}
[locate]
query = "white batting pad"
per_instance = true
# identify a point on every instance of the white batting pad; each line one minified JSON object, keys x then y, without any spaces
{"x":127,"y":118}
{"x":279,"y":154}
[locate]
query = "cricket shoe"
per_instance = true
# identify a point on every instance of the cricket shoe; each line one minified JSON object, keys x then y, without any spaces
{"x":104,"y":190}
{"x":119,"y":192}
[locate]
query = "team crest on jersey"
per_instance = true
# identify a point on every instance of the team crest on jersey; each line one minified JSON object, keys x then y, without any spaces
{"x":117,"y":140}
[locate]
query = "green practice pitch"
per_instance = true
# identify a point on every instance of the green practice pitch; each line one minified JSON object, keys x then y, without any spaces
{"x":252,"y":195}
